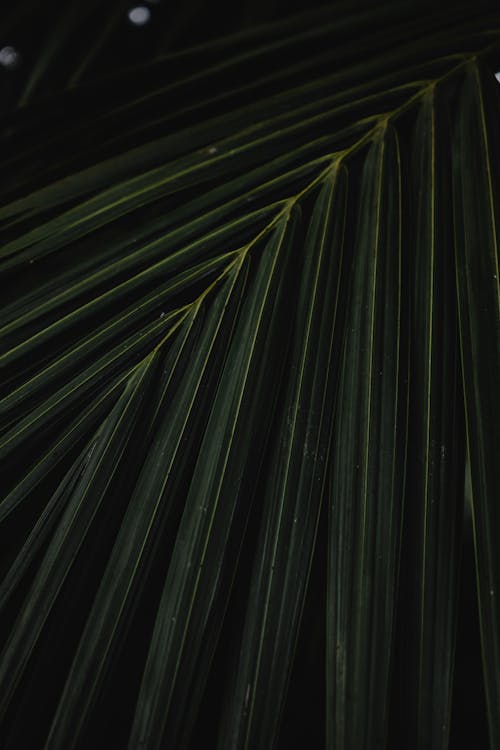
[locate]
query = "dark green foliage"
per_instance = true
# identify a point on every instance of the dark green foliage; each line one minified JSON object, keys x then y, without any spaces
{"x":250,"y":334}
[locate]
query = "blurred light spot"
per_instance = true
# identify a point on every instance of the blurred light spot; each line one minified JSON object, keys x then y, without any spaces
{"x":497,"y":76}
{"x":140,"y":15}
{"x":9,"y":57}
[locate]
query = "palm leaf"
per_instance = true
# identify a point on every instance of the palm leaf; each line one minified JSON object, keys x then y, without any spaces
{"x":232,"y":360}
{"x":479,"y":313}
{"x":434,"y":510}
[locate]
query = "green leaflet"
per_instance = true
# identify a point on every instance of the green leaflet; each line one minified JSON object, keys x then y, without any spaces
{"x":140,"y":270}
{"x":476,"y":154}
{"x":196,"y":585}
{"x":153,"y":501}
{"x":294,"y":486}
{"x":44,"y":526}
{"x":434,"y":493}
{"x":149,"y":313}
{"x":82,"y":505}
{"x":86,"y":421}
{"x":366,"y":496}
{"x":218,"y":161}
{"x":79,"y":389}
{"x":333,"y":57}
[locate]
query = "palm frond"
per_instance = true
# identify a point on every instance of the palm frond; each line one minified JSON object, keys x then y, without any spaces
{"x":250,"y":331}
{"x":477,"y":260}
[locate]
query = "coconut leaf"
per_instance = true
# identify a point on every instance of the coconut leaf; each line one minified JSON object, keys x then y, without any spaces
{"x":476,"y":227}
{"x":434,"y":511}
{"x":244,"y":280}
{"x":368,"y":463}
